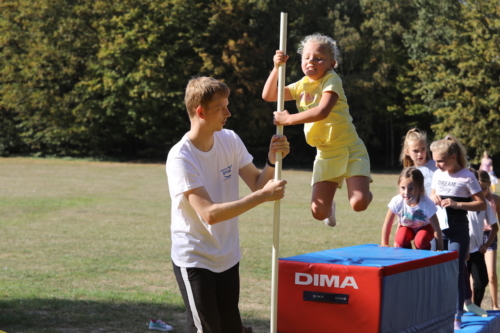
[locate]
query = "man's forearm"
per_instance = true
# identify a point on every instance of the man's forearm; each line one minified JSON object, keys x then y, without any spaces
{"x":265,"y":175}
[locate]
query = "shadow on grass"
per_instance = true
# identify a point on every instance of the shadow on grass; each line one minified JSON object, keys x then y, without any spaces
{"x":79,"y":316}
{"x":60,"y":315}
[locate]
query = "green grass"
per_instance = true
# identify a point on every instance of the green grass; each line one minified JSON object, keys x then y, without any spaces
{"x":84,"y":246}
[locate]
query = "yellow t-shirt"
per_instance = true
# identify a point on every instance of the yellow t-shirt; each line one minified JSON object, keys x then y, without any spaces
{"x":337,"y":129}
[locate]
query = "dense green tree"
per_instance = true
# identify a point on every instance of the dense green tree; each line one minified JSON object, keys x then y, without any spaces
{"x":381,"y":60}
{"x":429,"y":29}
{"x":43,"y":46}
{"x":131,"y":97}
{"x":470,"y":86}
{"x":455,"y":49}
{"x":106,"y":78}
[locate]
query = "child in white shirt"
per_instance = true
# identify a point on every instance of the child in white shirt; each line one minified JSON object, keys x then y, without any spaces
{"x":455,"y":188}
{"x":416,"y":212}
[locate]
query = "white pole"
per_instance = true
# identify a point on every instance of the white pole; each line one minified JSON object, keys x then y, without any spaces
{"x":277,"y":175}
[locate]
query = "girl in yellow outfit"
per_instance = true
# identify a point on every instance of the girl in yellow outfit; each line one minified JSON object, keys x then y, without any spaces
{"x":328,"y":126}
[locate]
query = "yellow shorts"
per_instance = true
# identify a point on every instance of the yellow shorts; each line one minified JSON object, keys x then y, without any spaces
{"x":337,"y":164}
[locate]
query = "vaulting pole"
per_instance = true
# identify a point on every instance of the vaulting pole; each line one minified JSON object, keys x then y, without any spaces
{"x":277,"y":176}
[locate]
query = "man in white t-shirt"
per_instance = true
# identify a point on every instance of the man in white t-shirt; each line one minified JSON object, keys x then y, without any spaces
{"x":203,"y":170}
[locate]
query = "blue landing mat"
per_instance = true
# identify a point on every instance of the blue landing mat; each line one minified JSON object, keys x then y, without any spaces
{"x":475,"y":324}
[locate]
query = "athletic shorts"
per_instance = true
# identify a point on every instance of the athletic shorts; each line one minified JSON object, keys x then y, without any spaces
{"x":337,"y":164}
{"x":494,"y":244}
{"x":211,"y":299}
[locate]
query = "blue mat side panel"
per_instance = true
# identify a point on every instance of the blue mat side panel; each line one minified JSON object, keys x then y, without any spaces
{"x":475,"y":324}
{"x":431,"y":290}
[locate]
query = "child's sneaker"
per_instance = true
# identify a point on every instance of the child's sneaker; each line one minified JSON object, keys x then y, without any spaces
{"x":331,"y":221}
{"x":475,"y":310}
{"x":159,"y":325}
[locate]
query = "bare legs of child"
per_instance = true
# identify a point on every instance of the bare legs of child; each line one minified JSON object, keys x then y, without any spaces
{"x":468,"y":305}
{"x":490,"y":257}
{"x":323,"y":205}
{"x":358,"y":192}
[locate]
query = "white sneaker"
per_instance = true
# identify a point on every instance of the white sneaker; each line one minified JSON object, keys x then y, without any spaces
{"x":331,"y":221}
{"x":475,"y":310}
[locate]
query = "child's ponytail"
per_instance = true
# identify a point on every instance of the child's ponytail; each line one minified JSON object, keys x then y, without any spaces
{"x":449,"y":146}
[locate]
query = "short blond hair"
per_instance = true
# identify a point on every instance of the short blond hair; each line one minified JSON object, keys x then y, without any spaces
{"x":200,"y":90}
{"x":322,"y":40}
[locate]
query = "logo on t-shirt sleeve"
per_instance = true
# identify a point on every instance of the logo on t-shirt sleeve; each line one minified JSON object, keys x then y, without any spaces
{"x":226,"y":172}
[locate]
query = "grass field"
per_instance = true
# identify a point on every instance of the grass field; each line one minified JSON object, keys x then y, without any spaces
{"x":84,"y":246}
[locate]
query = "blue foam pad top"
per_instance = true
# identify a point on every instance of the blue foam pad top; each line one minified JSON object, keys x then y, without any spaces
{"x":364,"y":255}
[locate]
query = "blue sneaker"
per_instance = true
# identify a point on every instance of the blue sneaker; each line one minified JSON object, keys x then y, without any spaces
{"x":159,"y":325}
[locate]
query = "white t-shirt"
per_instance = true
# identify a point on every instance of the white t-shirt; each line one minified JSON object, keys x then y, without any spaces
{"x":428,"y":171}
{"x":413,"y":217}
{"x":459,"y":184}
{"x":477,"y":220}
{"x":195,"y":243}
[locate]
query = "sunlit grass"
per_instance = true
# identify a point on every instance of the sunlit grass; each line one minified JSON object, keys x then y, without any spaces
{"x":84,"y":246}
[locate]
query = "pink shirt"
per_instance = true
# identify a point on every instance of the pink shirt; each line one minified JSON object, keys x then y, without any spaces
{"x":486,"y":165}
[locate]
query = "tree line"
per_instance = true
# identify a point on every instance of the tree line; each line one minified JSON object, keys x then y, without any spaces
{"x":106,"y":78}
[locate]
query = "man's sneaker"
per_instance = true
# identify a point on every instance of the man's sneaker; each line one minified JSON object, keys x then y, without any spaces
{"x":159,"y":325}
{"x":331,"y":221}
